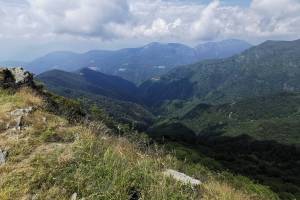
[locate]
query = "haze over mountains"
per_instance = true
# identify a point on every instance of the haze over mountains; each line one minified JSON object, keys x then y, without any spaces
{"x":136,"y":64}
{"x":269,"y":68}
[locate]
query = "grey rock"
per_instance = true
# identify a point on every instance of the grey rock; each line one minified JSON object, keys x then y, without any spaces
{"x":3,"y":155}
{"x":18,"y":120}
{"x":15,"y":77}
{"x":21,"y":76}
{"x":21,"y":112}
{"x":181,"y":177}
{"x":74,"y":196}
{"x":19,"y":115}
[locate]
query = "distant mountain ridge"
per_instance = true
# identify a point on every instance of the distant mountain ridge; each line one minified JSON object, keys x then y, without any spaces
{"x":266,"y":69}
{"x":137,"y":64}
{"x":222,"y":49}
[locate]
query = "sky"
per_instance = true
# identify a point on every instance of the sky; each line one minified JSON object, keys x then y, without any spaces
{"x":31,"y":28}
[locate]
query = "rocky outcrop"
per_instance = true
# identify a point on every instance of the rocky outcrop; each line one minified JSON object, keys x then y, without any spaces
{"x":15,"y":77}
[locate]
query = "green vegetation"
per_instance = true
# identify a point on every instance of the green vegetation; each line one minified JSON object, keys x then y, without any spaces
{"x":266,"y":69}
{"x":275,"y":117}
{"x":257,"y":137}
{"x":111,"y":94}
{"x":56,"y":158}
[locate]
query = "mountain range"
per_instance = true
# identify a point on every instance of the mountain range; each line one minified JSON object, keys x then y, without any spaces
{"x":135,"y":64}
{"x":269,"y":68}
{"x":241,"y":111}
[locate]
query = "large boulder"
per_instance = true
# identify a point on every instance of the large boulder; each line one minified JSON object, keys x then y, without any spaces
{"x":15,"y":77}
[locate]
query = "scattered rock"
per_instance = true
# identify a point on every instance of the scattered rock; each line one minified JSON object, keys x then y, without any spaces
{"x":181,"y":177}
{"x":18,"y":116}
{"x":21,"y":112}
{"x":3,"y":155}
{"x":15,"y":77}
{"x":74,"y":196}
{"x":18,"y":120}
{"x":34,"y":197}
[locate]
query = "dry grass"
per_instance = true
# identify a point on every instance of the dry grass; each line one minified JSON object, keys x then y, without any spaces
{"x":214,"y":190}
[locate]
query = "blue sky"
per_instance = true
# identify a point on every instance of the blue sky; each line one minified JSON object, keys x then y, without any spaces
{"x":30,"y":28}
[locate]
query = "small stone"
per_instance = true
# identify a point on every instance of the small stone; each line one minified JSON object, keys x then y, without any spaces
{"x":3,"y":155}
{"x":19,"y":115}
{"x":181,"y":177}
{"x":18,"y":122}
{"x":21,"y":112}
{"x":74,"y":196}
{"x":44,"y":120}
{"x":34,"y":197}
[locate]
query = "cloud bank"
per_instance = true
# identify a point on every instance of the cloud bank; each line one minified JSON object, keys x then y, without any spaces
{"x":185,"y":21}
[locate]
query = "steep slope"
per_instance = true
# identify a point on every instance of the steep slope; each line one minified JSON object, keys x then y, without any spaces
{"x":258,"y":137}
{"x":275,"y":117}
{"x":266,"y":69}
{"x":136,"y":64}
{"x":91,"y":81}
{"x":63,"y":158}
{"x":113,"y":94}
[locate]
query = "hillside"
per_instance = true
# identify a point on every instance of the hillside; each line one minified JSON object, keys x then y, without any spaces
{"x":257,"y":137}
{"x":91,"y":81}
{"x":46,"y":154}
{"x":135,"y":64}
{"x":112,"y":94}
{"x":266,"y":69}
{"x":274,"y":117}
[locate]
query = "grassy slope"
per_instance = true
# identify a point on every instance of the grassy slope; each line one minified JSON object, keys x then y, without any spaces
{"x":52,"y":159}
{"x":274,"y":117}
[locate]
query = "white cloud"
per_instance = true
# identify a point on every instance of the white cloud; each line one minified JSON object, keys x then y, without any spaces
{"x":121,"y":20}
{"x":80,"y":17}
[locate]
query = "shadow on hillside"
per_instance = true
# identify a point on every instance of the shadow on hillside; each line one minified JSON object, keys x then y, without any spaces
{"x":269,"y":162}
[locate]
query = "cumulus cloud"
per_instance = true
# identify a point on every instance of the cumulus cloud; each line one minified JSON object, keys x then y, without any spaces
{"x":80,"y":17}
{"x":149,"y":19}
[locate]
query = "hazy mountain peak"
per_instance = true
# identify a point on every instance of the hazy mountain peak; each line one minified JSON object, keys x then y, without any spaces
{"x":137,"y":64}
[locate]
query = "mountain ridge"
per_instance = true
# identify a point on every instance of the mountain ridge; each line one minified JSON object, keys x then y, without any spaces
{"x":261,"y":70}
{"x":134,"y":64}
